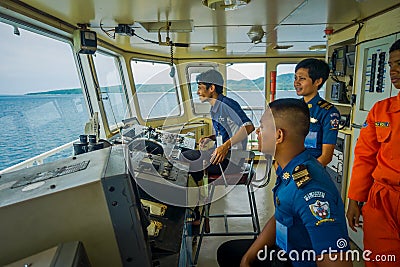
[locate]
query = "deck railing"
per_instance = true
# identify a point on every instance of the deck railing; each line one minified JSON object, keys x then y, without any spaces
{"x":39,"y":159}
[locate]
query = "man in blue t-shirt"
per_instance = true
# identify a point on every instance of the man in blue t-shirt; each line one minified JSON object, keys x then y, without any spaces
{"x":310,"y":76}
{"x":231,"y":128}
{"x":308,"y":228}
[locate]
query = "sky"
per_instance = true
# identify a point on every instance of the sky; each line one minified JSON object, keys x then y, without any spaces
{"x":28,"y":64}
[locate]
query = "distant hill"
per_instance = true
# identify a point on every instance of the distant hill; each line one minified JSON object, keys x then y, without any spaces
{"x":283,"y":81}
{"x":59,"y":92}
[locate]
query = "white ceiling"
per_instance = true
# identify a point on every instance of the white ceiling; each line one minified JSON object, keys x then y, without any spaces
{"x":299,"y":23}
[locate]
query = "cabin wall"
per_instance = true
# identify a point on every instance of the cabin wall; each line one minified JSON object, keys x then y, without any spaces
{"x":377,"y":32}
{"x":376,"y":27}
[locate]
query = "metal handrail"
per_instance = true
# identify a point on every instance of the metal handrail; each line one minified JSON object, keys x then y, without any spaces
{"x":39,"y":158}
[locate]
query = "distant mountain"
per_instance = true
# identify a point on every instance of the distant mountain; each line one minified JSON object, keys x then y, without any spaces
{"x":59,"y":92}
{"x":283,"y":82}
{"x":110,"y":89}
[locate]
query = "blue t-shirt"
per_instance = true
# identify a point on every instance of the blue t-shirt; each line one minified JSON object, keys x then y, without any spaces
{"x":227,"y":117}
{"x":309,"y":211}
{"x":324,"y":125}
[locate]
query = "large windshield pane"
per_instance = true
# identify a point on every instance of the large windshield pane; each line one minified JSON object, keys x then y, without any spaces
{"x":41,"y":101}
{"x":112,"y":92}
{"x":156,"y":89}
{"x":284,"y":81}
{"x":245,"y":83}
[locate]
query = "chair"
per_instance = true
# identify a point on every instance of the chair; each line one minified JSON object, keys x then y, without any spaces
{"x":245,"y":178}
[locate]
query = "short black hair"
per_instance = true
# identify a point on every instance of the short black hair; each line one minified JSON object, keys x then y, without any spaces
{"x":211,"y":77}
{"x":294,"y":112}
{"x":395,"y":46}
{"x":317,"y":68}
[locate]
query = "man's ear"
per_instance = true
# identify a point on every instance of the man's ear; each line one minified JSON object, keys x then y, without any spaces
{"x":211,"y":88}
{"x":318,"y":82}
{"x":279,"y":136}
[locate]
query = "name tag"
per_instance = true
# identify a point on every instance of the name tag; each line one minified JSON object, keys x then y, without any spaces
{"x":311,"y":140}
{"x":281,"y":236}
{"x":219,"y":140}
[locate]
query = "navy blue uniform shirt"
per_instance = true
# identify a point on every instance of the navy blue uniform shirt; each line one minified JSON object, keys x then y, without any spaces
{"x":309,"y":211}
{"x":227,"y":117}
{"x":324,"y":125}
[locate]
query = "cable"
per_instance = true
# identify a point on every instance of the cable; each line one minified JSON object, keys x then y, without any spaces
{"x":360,"y":25}
{"x":172,"y":71}
{"x":107,"y":32}
{"x":146,"y":40}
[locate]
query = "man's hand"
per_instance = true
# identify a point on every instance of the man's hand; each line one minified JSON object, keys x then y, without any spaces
{"x":353,"y":215}
{"x":220,"y":153}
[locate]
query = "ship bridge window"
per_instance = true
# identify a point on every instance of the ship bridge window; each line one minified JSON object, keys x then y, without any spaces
{"x":41,"y":99}
{"x":156,"y":90}
{"x":113,"y":93}
{"x":245,"y":83}
{"x":284,"y":82}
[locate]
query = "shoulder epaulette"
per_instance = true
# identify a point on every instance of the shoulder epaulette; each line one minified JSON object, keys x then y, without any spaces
{"x":300,"y":175}
{"x":324,"y":104}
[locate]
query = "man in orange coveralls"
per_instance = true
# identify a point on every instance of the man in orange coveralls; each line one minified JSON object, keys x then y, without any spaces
{"x":375,"y":176}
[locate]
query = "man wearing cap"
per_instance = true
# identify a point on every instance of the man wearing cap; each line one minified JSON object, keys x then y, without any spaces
{"x":231,"y":128}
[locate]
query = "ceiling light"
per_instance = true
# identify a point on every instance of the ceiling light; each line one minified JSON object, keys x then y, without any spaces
{"x":213,"y":48}
{"x":256,"y":34}
{"x":317,"y":48}
{"x":225,"y":4}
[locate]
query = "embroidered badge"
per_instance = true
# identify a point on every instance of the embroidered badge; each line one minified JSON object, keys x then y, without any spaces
{"x":335,"y":114}
{"x":321,"y":211}
{"x":314,"y":194}
{"x":381,"y":124}
{"x":300,"y":175}
{"x":335,"y":124}
{"x":286,"y":176}
{"x":313,"y":120}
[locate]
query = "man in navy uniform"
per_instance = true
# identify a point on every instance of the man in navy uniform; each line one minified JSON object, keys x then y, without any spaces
{"x":231,"y":128}
{"x":310,"y":76}
{"x":309,"y":212}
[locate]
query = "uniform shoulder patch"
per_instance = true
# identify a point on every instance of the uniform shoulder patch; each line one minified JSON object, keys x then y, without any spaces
{"x":324,"y":104}
{"x":321,"y":211}
{"x":300,"y":175}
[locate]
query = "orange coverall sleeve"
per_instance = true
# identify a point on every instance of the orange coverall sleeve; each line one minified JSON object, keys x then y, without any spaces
{"x":365,"y":161}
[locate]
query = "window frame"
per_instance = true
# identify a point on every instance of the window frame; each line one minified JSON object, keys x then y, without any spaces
{"x":175,"y":83}
{"x":118,"y":64}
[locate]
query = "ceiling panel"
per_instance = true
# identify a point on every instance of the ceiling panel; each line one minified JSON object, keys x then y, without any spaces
{"x":301,"y":22}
